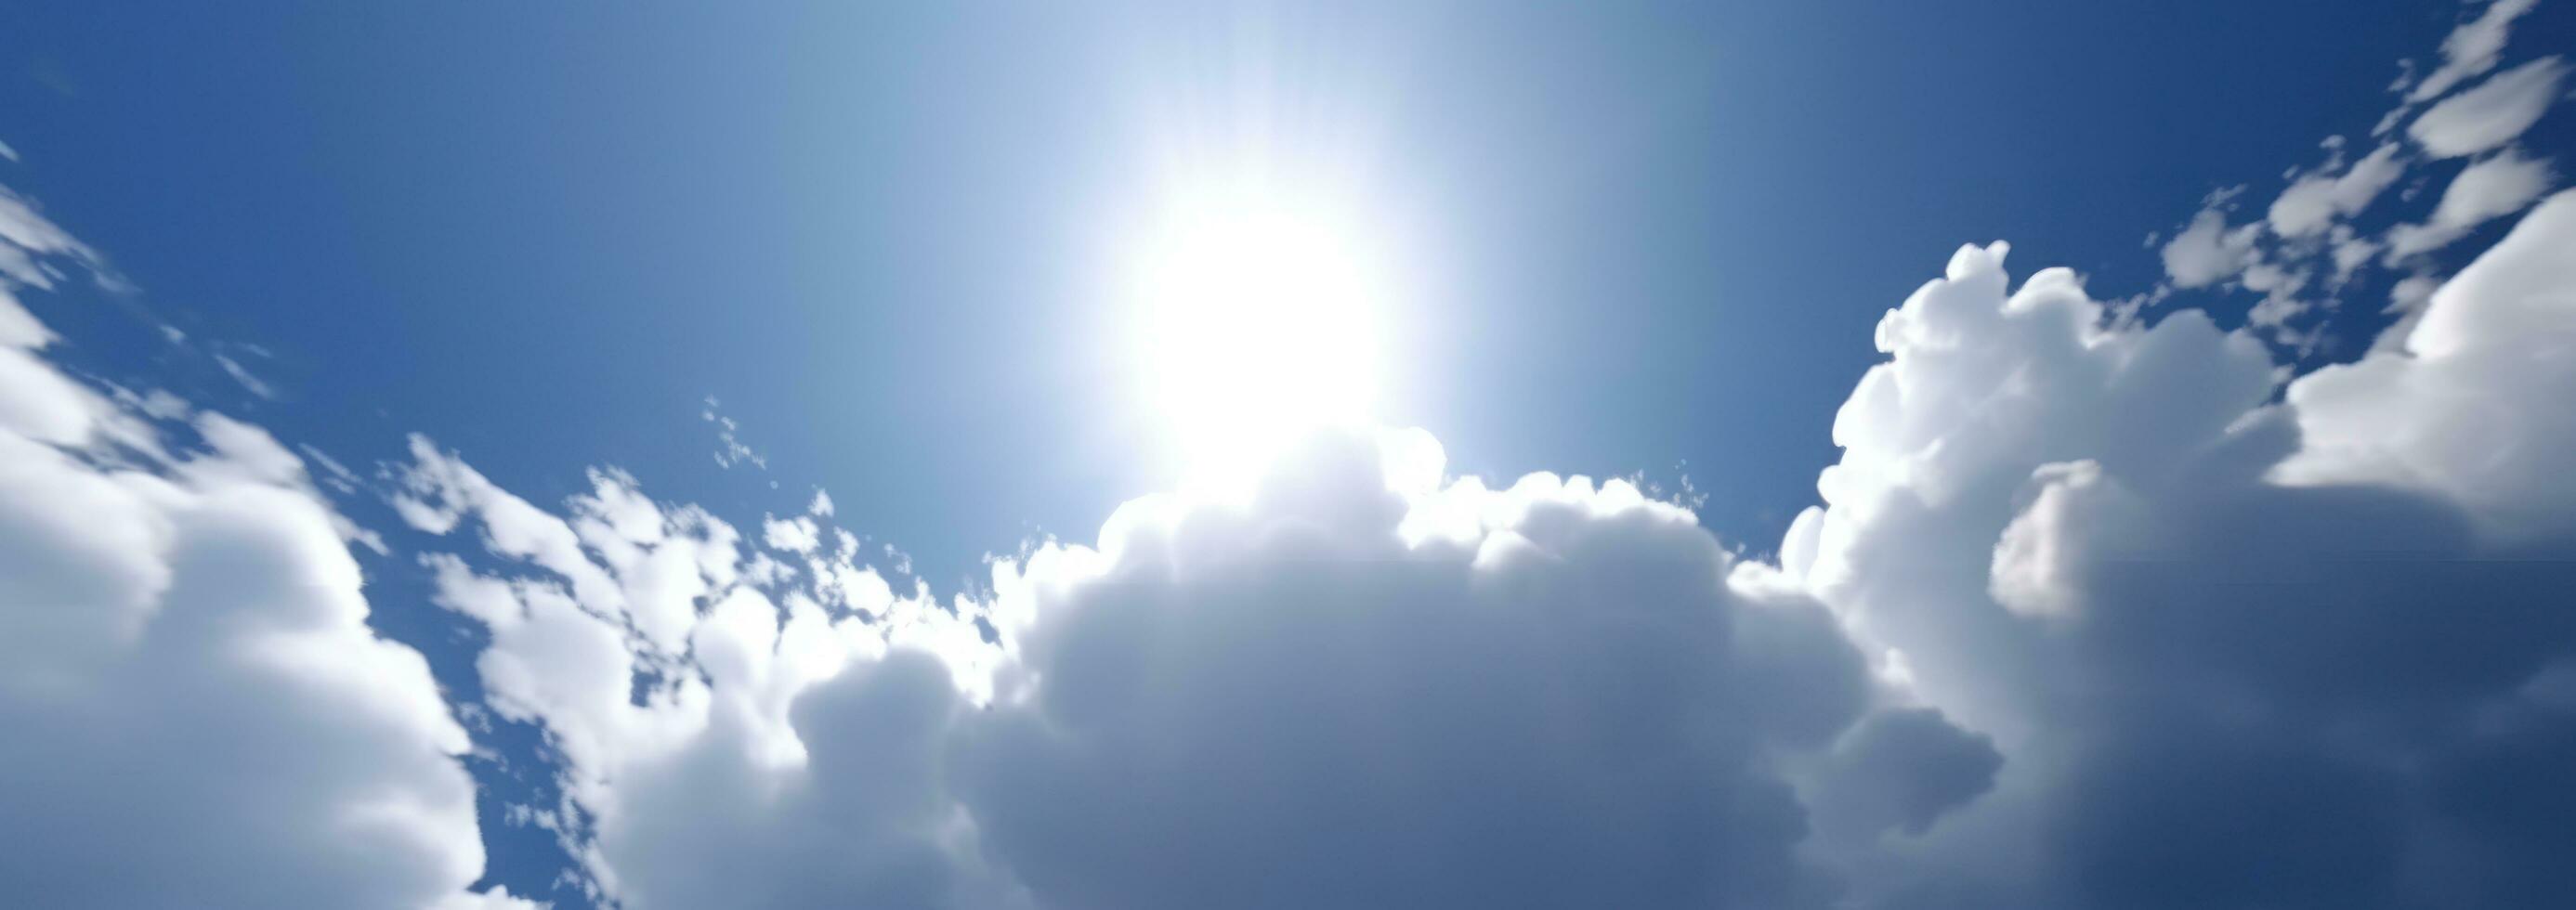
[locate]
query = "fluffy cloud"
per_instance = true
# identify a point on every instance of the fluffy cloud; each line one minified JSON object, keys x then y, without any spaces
{"x":2485,"y":190}
{"x":2094,"y":615}
{"x":2472,"y":408}
{"x":2234,"y":653}
{"x":1441,"y":692}
{"x":2492,"y":114}
{"x":795,"y":535}
{"x":727,"y":736}
{"x":198,"y":714}
{"x":1983,"y":390}
{"x":1446,"y":695}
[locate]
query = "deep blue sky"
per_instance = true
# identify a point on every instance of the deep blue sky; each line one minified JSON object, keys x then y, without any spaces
{"x":543,"y":234}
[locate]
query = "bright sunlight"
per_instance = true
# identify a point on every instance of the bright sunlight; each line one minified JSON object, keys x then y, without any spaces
{"x":1261,"y":321}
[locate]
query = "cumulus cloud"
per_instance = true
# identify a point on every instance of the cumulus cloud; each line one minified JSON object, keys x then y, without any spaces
{"x":796,"y":534}
{"x":1555,"y":692}
{"x":2488,"y":189}
{"x":2492,"y":114}
{"x":2234,"y":653}
{"x":2095,"y":614}
{"x":663,"y":671}
{"x":198,"y":714}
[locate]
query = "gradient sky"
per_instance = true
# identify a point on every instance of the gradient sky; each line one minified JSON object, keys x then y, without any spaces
{"x":545,"y":236}
{"x":874,"y":246}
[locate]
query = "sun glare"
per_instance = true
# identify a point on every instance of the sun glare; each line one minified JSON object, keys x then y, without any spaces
{"x":1261,"y":322}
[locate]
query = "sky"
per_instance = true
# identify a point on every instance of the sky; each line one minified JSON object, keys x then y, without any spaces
{"x":1983,"y":454}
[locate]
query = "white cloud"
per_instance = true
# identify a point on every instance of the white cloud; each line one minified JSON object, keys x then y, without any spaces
{"x":2313,"y":203}
{"x":2037,"y":563}
{"x":2406,"y":298}
{"x":1984,"y":389}
{"x":2207,"y":251}
{"x":794,"y":535}
{"x":2471,"y":49}
{"x":2474,"y":406}
{"x":697,"y":785}
{"x":2485,"y":190}
{"x":28,"y":241}
{"x":730,"y":449}
{"x":198,"y":713}
{"x":1452,"y":696}
{"x":1367,"y":669}
{"x":621,"y":554}
{"x":2350,"y":252}
{"x":2492,"y":114}
{"x":2313,"y":249}
{"x":2280,"y":286}
{"x":2492,"y":188}
{"x":337,"y":475}
{"x":249,"y":381}
{"x":2409,"y":293}
{"x":2179,"y":609}
{"x":2084,"y":596}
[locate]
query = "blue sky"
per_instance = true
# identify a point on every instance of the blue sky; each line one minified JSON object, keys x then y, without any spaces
{"x":546,"y":236}
{"x":878,"y":247}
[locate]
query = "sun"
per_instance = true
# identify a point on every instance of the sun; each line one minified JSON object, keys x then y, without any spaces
{"x":1261,"y":321}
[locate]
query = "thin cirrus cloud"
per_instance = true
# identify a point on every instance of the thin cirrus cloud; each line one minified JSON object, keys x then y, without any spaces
{"x":2096,"y":611}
